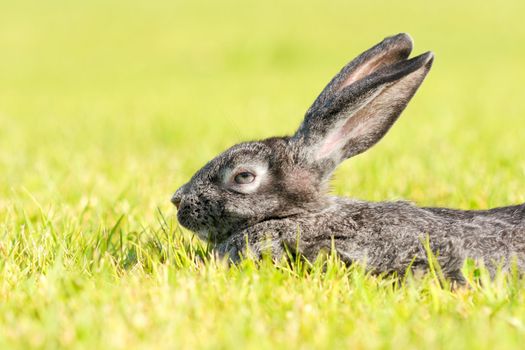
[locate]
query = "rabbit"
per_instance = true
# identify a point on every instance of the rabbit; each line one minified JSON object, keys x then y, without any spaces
{"x":271,"y":196}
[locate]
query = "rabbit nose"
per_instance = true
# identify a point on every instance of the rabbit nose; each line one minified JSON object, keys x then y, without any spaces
{"x":176,"y":200}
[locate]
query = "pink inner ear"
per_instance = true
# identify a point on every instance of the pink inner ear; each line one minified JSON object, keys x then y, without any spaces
{"x":355,"y":126}
{"x":367,"y":68}
{"x":361,"y":72}
{"x":333,"y":141}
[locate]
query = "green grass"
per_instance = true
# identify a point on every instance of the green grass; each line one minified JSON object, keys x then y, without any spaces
{"x":106,"y":107}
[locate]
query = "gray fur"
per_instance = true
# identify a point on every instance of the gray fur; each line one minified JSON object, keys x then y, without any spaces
{"x":287,"y":208}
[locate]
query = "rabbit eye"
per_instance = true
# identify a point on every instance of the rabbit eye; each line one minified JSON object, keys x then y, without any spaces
{"x":244,"y":178}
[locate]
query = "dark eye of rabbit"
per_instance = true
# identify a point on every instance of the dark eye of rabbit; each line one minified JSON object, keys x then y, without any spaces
{"x":244,"y":178}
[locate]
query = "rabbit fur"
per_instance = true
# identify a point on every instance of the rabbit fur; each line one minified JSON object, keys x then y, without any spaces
{"x":271,"y":196}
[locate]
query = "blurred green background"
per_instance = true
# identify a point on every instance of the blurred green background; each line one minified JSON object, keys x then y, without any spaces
{"x":106,"y":107}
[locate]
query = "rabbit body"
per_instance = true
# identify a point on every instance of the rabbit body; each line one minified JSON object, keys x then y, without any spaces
{"x":390,"y":237}
{"x":270,"y":196}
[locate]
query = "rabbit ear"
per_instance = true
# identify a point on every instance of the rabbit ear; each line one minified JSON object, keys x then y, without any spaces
{"x":362,"y":102}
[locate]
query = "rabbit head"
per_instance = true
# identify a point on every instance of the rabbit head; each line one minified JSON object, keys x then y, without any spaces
{"x":285,"y":176}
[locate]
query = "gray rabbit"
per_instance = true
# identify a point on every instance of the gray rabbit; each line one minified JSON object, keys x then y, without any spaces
{"x":270,"y":196}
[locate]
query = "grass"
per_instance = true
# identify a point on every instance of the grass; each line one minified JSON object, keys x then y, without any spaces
{"x":106,"y":107}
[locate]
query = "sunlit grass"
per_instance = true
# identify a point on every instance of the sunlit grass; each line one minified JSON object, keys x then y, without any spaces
{"x":106,"y":107}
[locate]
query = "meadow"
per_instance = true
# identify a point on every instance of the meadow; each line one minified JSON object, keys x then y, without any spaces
{"x":107,"y":107}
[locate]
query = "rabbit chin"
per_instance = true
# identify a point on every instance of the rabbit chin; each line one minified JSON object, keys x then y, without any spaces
{"x":202,"y":231}
{"x":203,"y":234}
